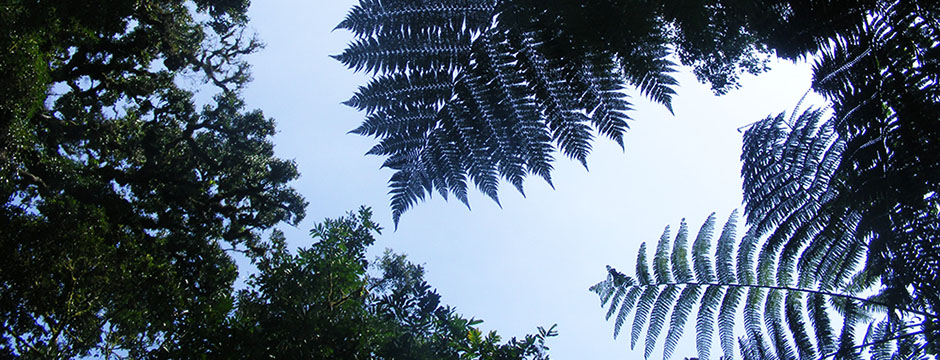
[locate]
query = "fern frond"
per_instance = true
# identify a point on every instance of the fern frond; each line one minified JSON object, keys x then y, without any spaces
{"x":726,"y":315}
{"x":705,"y":321}
{"x":797,"y":325}
{"x":642,"y":268}
{"x":398,"y":52}
{"x":500,"y":91}
{"x":704,"y":271}
{"x":680,"y":255}
{"x":431,"y":88}
{"x":772,"y":310}
{"x":724,"y":252}
{"x":643,"y":309}
{"x":373,"y":17}
{"x":745,"y":259}
{"x":680,"y":314}
{"x":661,"y":307}
{"x":774,"y":325}
{"x":618,"y":293}
{"x":819,"y":317}
{"x":629,"y":303}
{"x":650,"y":71}
{"x":850,"y":315}
{"x":661,"y":259}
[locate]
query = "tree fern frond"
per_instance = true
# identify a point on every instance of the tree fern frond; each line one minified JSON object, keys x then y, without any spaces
{"x":651,"y":74}
{"x":642,"y":268}
{"x":726,"y":315}
{"x":407,"y":187}
{"x":704,"y":271}
{"x":629,"y":303}
{"x":661,"y":259}
{"x":605,"y":289}
{"x":753,"y":347}
{"x":680,"y":255}
{"x":643,"y":309}
{"x":752,"y":311}
{"x":883,"y":347}
{"x":781,"y":345}
{"x":847,"y":348}
{"x":661,"y":307}
{"x":431,"y":88}
{"x":396,"y":52}
{"x":618,"y":294}
{"x":680,"y":314}
{"x":705,"y":321}
{"x":724,"y":252}
{"x":773,"y":307}
{"x":373,"y":16}
{"x":819,"y":317}
{"x":745,"y":259}
{"x":396,"y":120}
{"x":772,"y":310}
{"x":797,"y":325}
{"x":604,"y":99}
{"x":502,"y":85}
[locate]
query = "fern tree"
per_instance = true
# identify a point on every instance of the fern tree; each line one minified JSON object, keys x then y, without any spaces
{"x":844,"y":203}
{"x":783,"y":316}
{"x":479,"y":91}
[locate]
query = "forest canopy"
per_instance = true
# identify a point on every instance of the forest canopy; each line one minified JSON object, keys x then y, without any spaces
{"x":126,"y":197}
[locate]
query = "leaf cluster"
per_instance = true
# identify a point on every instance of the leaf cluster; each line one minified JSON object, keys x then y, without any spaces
{"x":324,"y":303}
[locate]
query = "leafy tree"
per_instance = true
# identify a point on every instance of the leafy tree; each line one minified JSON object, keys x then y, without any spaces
{"x":478,"y":90}
{"x":120,"y":196}
{"x":323,"y":303}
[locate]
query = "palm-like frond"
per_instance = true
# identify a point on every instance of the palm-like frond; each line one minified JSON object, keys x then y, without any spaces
{"x":781,"y":320}
{"x":481,"y":94}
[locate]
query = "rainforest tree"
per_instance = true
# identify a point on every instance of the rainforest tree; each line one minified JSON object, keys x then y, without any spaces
{"x":328,"y":302}
{"x":122,"y":194}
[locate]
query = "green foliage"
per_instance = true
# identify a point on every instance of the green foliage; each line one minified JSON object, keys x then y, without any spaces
{"x":323,"y":303}
{"x":475,"y":91}
{"x":120,"y":195}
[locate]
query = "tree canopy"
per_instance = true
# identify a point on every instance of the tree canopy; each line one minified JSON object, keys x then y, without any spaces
{"x":327,"y":302}
{"x":126,"y":193}
{"x":121,"y":192}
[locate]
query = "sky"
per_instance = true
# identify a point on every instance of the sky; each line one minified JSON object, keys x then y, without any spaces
{"x":529,"y":263}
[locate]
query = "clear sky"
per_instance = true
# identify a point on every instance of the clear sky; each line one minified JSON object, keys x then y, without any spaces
{"x":530,"y":263}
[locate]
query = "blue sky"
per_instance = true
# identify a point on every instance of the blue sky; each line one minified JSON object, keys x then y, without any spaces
{"x":530,"y":263}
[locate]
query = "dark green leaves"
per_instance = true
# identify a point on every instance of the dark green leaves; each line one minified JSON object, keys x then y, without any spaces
{"x":122,"y":200}
{"x":328,"y":301}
